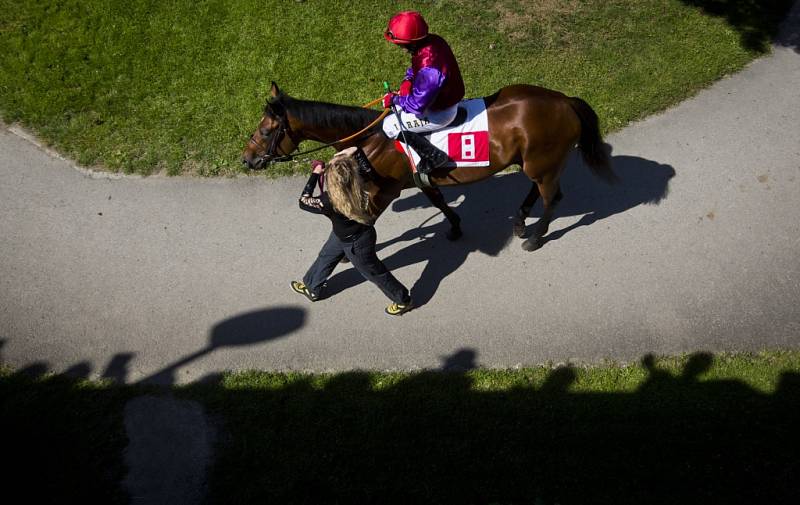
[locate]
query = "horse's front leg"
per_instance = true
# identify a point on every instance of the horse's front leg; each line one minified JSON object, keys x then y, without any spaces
{"x":437,"y":199}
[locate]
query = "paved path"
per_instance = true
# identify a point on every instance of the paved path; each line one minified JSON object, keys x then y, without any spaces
{"x":176,"y":279}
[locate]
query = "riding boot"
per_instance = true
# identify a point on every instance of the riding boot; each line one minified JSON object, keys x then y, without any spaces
{"x":431,"y":157}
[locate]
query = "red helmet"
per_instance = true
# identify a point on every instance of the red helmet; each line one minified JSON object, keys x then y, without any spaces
{"x":406,"y":27}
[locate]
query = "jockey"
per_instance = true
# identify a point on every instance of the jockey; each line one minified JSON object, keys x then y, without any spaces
{"x":430,"y":92}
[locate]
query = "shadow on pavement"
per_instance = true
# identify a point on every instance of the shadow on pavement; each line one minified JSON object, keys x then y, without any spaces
{"x":242,"y":330}
{"x":487,"y":208}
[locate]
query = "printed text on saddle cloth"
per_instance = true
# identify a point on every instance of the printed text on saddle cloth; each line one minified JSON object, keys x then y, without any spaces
{"x":467,"y":142}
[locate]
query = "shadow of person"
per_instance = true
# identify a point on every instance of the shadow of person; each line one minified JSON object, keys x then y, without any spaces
{"x":33,"y":370}
{"x":242,"y":330}
{"x":117,"y":368}
{"x":462,"y":360}
{"x":559,"y":381}
{"x":698,"y":364}
{"x":487,"y":210}
{"x":80,"y":370}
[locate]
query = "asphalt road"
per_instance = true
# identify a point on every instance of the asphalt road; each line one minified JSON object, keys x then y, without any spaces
{"x":176,"y":279}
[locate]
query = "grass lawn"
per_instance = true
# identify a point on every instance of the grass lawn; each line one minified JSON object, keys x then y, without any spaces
{"x":176,"y":87}
{"x":695,"y":429}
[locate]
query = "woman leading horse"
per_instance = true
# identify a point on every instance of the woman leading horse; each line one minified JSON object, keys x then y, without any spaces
{"x":529,"y":126}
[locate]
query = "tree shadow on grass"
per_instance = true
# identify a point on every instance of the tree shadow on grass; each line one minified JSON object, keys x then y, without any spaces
{"x":487,"y":210}
{"x":432,"y":437}
{"x":757,"y":21}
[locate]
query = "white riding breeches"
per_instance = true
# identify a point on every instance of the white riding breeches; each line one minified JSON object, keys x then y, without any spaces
{"x":428,"y":122}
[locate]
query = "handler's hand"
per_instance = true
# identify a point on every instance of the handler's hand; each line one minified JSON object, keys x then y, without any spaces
{"x":318,"y":166}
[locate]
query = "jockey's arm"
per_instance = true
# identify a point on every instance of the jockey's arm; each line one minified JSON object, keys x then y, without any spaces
{"x":426,"y":85}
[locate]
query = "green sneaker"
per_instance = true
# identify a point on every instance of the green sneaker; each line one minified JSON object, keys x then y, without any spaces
{"x":398,"y":309}
{"x":299,"y":287}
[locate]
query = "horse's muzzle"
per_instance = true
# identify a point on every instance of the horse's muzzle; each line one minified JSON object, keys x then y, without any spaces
{"x":256,"y":163}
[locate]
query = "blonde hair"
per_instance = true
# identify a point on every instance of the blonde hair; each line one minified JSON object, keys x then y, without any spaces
{"x":347,"y":189}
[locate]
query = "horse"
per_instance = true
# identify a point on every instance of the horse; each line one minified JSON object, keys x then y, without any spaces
{"x":530,"y":126}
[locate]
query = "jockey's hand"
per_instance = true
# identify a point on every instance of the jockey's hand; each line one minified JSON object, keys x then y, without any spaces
{"x":387,"y":100}
{"x":405,"y":88}
{"x":318,"y":166}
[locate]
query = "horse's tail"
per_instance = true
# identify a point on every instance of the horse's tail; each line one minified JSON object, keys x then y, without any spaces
{"x":591,"y":142}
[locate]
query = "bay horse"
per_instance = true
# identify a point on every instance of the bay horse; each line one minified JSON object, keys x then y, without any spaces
{"x":528,"y":125}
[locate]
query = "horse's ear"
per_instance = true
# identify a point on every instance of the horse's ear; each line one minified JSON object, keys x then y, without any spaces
{"x":274,"y":91}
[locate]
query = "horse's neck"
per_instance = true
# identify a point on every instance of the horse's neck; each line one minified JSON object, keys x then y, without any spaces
{"x":370,"y":142}
{"x":328,"y":131}
{"x":326,"y":136}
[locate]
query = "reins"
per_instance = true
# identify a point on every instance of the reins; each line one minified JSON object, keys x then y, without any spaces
{"x":287,"y":131}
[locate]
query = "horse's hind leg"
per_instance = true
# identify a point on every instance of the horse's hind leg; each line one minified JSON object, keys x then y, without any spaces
{"x":437,"y":198}
{"x":551,"y":195}
{"x":525,"y":210}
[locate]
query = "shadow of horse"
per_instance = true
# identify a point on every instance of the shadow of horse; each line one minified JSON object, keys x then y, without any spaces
{"x":487,"y":210}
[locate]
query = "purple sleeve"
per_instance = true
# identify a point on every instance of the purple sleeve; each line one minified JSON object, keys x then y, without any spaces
{"x":409,"y":74}
{"x":427,"y":84}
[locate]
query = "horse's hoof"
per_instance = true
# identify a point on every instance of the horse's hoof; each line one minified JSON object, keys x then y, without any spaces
{"x":519,"y":229}
{"x":532,"y":244}
{"x":454,"y":234}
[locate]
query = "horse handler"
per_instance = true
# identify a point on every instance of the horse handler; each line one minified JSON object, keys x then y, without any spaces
{"x":346,"y":203}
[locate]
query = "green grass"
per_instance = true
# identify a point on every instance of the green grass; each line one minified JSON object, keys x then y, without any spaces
{"x":691,"y":429}
{"x":149,"y":86}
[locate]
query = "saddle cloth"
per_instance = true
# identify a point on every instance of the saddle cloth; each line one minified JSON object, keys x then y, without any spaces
{"x":465,"y":140}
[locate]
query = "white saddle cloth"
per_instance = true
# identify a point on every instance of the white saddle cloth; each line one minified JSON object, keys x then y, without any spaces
{"x":467,"y":142}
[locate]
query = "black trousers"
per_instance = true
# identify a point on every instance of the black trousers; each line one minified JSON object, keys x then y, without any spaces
{"x":360,"y":252}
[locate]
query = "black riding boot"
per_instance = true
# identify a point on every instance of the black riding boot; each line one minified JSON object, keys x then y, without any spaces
{"x":430,"y":156}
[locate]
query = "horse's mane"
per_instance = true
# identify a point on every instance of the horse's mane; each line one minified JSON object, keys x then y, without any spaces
{"x":322,"y":114}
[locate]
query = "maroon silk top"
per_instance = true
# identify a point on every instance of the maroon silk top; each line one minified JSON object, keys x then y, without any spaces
{"x":435,"y":53}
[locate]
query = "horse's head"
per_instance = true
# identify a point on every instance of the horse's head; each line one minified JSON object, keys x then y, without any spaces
{"x":274,"y":137}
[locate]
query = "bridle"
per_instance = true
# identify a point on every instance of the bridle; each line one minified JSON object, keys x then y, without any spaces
{"x":272,"y":154}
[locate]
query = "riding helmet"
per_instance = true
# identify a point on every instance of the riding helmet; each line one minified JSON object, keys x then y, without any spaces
{"x":406,"y":27}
